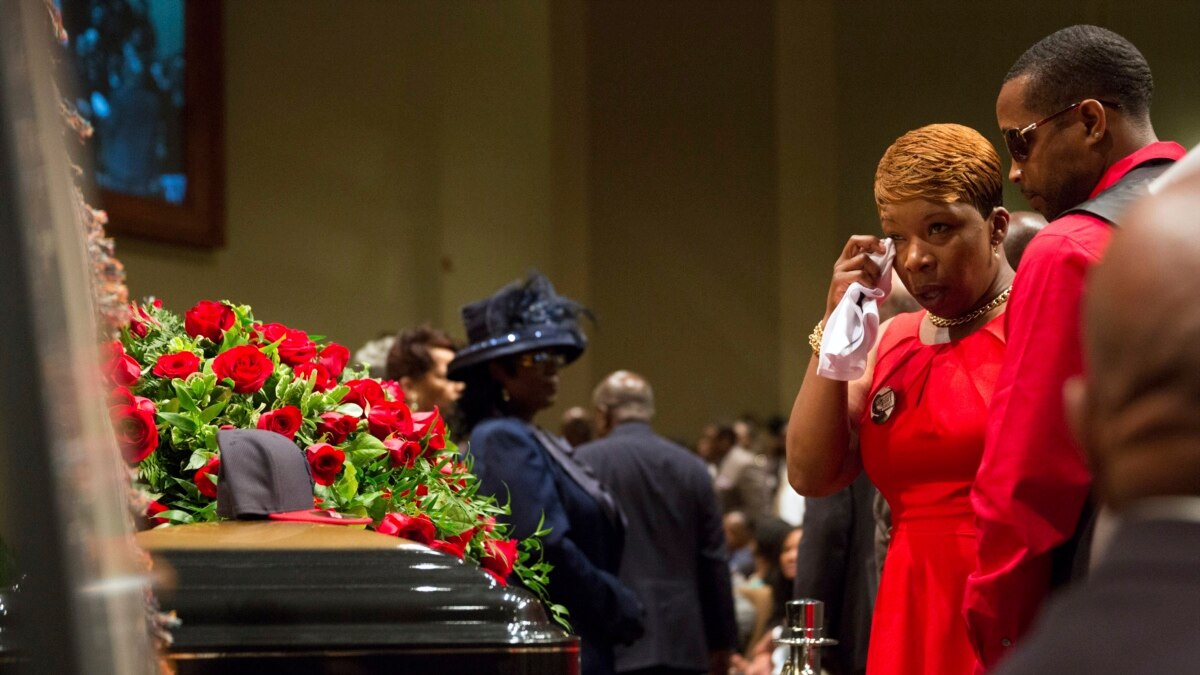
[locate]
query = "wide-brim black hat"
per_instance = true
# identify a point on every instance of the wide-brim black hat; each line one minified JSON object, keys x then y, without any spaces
{"x":523,"y":316}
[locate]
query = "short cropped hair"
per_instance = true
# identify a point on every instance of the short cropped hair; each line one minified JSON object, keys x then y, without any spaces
{"x":626,"y":396}
{"x":943,"y":163}
{"x":1082,"y":62}
{"x":409,"y":355}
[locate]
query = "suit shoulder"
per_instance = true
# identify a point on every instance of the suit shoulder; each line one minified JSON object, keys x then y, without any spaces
{"x":685,"y":457}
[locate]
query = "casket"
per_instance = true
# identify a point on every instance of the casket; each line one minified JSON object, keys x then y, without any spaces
{"x":264,"y":596}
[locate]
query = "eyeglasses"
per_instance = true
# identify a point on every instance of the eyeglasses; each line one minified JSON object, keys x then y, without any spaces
{"x":1017,"y":140}
{"x":543,"y":360}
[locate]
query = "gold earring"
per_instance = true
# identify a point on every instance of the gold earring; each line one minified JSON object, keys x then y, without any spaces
{"x":504,"y":395}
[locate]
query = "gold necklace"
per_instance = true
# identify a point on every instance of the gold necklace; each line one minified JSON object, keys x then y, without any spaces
{"x":948,"y":323}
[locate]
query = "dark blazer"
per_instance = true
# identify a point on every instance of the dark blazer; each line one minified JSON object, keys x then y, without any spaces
{"x":583,"y":545}
{"x":675,"y":557}
{"x":836,"y":565}
{"x":1138,"y":611}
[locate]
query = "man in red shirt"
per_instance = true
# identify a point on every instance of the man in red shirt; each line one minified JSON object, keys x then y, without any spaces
{"x":1075,"y":111}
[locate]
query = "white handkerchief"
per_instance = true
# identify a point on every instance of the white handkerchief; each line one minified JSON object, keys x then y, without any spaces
{"x":852,"y":327}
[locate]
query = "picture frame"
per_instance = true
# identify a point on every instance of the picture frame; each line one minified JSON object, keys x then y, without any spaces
{"x":159,"y":173}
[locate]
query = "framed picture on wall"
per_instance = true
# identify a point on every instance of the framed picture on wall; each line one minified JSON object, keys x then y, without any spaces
{"x":149,"y":79}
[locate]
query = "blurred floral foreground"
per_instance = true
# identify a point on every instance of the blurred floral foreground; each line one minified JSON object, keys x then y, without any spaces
{"x":177,"y":381}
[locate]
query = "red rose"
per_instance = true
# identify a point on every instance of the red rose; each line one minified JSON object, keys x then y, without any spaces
{"x":463,"y":538}
{"x":454,"y":475}
{"x":246,"y":365}
{"x":456,"y":550}
{"x":334,"y":357}
{"x":285,"y":421}
{"x":337,"y":426}
{"x":268,"y":333}
{"x":296,"y":348}
{"x":152,"y":510}
{"x":364,"y":393}
{"x":136,"y":429}
{"x":322,"y":380}
{"x":120,"y":367}
{"x":179,"y":364}
{"x":422,"y":491}
{"x":419,"y":528}
{"x":499,"y":556}
{"x":140,"y":320}
{"x":121,"y":396}
{"x":489,"y":523}
{"x":392,"y":390}
{"x":499,"y":579}
{"x":326,"y":462}
{"x":206,"y":478}
{"x":402,"y":453}
{"x":431,"y":424}
{"x":389,"y":417}
{"x":208,"y":319}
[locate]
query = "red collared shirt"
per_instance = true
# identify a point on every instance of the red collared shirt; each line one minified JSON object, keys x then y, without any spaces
{"x":1033,"y":481}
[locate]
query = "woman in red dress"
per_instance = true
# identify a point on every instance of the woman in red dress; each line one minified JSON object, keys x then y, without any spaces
{"x":915,"y":420}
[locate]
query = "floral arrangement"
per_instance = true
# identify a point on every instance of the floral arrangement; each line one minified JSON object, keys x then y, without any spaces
{"x":177,"y":381}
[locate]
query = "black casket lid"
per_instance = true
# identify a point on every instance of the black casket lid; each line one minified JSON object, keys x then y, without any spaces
{"x":259,"y":585}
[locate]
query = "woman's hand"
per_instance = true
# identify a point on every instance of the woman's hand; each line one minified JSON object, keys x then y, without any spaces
{"x":854,"y":265}
{"x":759,"y":665}
{"x":759,"y":661}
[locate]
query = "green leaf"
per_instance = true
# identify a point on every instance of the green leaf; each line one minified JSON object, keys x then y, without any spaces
{"x":364,"y":449}
{"x":349,"y":408}
{"x":198,"y":459}
{"x":347,"y":485}
{"x":201,"y":385}
{"x":335,"y":395}
{"x":183,"y":422}
{"x":210,"y":413}
{"x":185,"y":396}
{"x":176,"y":516}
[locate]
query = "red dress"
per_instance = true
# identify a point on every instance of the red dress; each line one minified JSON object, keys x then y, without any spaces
{"x":923,"y":455}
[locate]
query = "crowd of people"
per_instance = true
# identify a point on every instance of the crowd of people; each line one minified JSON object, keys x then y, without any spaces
{"x":949,"y":488}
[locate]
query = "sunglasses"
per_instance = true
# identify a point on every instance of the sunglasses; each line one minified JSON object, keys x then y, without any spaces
{"x":543,"y":360}
{"x":1018,"y":141}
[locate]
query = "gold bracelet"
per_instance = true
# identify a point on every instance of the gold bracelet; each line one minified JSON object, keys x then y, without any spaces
{"x":814,"y":339}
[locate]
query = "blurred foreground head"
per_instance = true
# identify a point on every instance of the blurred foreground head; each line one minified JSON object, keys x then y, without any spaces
{"x":1138,"y":415}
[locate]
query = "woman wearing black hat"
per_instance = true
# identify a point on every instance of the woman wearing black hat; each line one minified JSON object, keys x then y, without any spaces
{"x":520,"y":337}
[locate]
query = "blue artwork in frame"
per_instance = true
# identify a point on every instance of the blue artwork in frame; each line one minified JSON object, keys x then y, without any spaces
{"x":148,"y":76}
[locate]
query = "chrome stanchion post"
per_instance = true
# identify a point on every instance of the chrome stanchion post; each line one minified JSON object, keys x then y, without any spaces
{"x":804,"y":634}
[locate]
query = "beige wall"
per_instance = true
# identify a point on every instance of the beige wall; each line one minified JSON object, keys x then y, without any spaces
{"x":689,"y":169}
{"x":682,"y":203}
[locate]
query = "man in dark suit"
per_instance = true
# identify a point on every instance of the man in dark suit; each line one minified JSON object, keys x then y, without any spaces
{"x":675,"y":557}
{"x":1136,"y":416}
{"x":836,"y":564}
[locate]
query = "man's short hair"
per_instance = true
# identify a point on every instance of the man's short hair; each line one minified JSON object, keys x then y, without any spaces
{"x":1082,"y":62}
{"x":409,"y":356}
{"x":944,"y":163}
{"x":625,"y":396}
